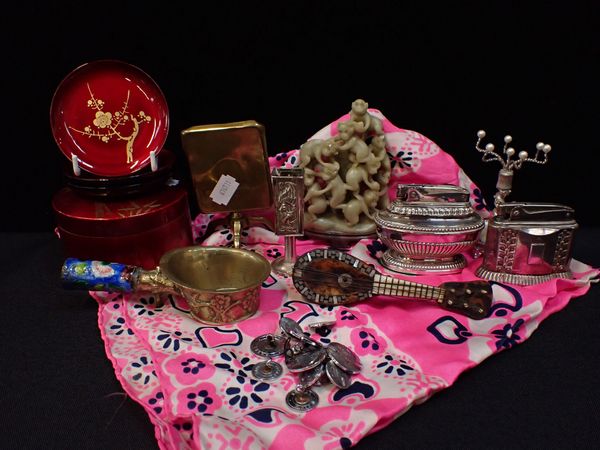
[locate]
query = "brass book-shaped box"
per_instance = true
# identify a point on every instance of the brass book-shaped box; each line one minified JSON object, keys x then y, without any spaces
{"x":229,"y":166}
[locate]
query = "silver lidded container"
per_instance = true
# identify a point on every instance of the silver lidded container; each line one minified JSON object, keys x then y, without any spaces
{"x":528,"y":243}
{"x":427,"y":228}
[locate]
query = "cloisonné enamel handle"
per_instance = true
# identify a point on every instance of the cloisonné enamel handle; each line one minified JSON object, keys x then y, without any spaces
{"x":98,"y":276}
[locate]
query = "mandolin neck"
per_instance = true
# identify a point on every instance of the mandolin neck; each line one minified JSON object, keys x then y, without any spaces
{"x":384,"y":285}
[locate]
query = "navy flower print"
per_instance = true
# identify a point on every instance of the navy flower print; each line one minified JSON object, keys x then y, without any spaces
{"x":394,"y":365}
{"x":507,"y":336}
{"x":480,"y":202}
{"x":142,"y":373}
{"x":185,"y":426}
{"x":326,"y":308}
{"x":232,"y":364}
{"x":281,"y":157}
{"x":147,"y":306}
{"x":200,"y":238}
{"x":115,"y":301}
{"x":156,"y":402}
{"x":229,"y":234}
{"x":347,"y":315}
{"x":345,"y":443}
{"x":172,"y":337}
{"x":323,"y":332}
{"x":120,"y":327}
{"x":402,"y":159}
{"x":368,"y":340}
{"x":192,"y":365}
{"x":273,"y":253}
{"x":376,"y":248}
{"x":248,"y":392}
{"x":199,"y":401}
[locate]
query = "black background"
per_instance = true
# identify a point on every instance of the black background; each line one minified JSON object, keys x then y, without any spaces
{"x":445,"y":70}
{"x":529,"y":69}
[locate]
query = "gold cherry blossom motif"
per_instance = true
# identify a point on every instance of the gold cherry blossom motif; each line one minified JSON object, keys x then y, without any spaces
{"x":106,"y":125}
{"x":102,"y":119}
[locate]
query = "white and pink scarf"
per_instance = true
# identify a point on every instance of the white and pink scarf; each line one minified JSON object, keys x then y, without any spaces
{"x":195,"y":380}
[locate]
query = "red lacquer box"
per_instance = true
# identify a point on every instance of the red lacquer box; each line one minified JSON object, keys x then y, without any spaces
{"x":137,"y":230}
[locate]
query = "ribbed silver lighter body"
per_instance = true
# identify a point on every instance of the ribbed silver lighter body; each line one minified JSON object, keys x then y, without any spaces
{"x":427,"y":228}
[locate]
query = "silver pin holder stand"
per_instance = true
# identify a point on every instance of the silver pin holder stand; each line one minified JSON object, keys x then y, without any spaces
{"x":288,"y":190}
{"x":526,"y":243}
{"x":510,"y":161}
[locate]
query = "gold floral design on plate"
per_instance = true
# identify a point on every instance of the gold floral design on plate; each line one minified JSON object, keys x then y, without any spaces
{"x":110,"y":125}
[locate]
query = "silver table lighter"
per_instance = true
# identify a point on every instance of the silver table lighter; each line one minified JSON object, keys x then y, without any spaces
{"x":427,"y":228}
{"x":528,"y":243}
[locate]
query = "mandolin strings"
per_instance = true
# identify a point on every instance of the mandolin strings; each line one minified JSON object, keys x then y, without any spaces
{"x":371,"y":283}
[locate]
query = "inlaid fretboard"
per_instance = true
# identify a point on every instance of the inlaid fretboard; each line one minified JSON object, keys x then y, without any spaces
{"x":384,"y":285}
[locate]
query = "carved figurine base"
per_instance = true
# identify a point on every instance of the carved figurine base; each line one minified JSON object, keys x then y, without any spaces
{"x":339,"y":240}
{"x":411,"y":266}
{"x":333,"y":224}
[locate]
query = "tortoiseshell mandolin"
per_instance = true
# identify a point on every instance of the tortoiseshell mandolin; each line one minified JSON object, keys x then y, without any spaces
{"x":331,"y":277}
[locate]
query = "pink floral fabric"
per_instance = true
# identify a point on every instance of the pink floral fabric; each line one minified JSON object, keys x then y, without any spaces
{"x":195,"y":380}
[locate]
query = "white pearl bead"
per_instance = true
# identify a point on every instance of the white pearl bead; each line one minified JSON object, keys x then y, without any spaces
{"x":510,"y":151}
{"x":546,"y":148}
{"x":523,"y":155}
{"x":539,"y":145}
{"x":507,"y":138}
{"x":481,"y":134}
{"x":489,"y":148}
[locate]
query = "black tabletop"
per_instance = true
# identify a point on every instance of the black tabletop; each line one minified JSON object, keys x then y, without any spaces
{"x":58,"y":388}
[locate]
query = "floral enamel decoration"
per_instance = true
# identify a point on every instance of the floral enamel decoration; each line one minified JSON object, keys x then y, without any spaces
{"x":102,"y":270}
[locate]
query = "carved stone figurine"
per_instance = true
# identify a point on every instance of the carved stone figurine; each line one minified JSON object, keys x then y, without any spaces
{"x":346,"y":177}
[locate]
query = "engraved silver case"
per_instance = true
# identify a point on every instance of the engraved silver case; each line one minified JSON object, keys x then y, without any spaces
{"x":288,"y":187}
{"x":427,"y":228}
{"x":528,"y":243}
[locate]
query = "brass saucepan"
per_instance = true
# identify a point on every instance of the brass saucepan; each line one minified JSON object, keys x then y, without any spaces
{"x":220,"y":284}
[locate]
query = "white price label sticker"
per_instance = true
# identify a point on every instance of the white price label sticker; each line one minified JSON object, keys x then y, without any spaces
{"x":224,"y":190}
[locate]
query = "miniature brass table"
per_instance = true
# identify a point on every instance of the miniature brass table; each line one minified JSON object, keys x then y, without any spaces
{"x":59,"y":390}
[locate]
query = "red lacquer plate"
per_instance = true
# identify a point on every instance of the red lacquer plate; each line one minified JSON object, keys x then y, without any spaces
{"x":110,"y":115}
